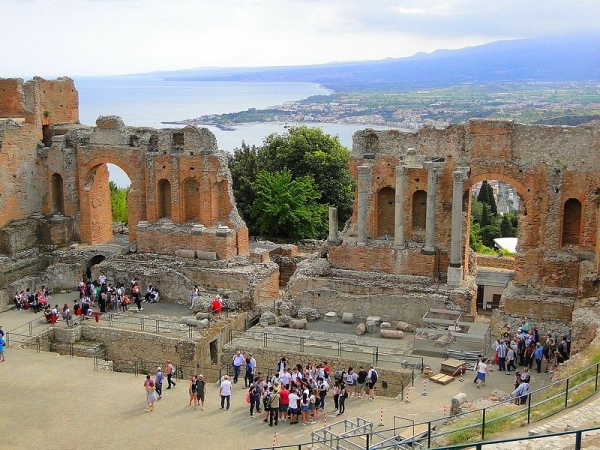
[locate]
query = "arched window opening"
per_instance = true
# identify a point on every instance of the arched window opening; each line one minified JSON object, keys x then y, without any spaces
{"x":56,"y":194}
{"x":419,"y":211}
{"x":164,"y":199}
{"x":571,"y":222}
{"x":191,"y":200}
{"x":385,"y":212}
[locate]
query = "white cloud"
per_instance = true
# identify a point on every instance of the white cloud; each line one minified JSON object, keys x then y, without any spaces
{"x":77,"y":37}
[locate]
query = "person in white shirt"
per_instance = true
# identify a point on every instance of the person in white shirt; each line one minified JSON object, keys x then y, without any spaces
{"x":293,"y":406}
{"x":225,"y":392}
{"x":285,"y":378}
{"x":482,"y":371}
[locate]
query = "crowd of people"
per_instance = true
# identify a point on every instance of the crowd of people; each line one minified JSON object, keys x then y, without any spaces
{"x":296,"y":392}
{"x":99,"y":294}
{"x":522,"y":349}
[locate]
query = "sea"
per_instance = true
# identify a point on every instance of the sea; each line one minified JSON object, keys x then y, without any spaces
{"x":151,"y":100}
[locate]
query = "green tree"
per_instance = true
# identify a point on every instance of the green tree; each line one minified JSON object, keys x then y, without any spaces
{"x":506,"y":228}
{"x":483,"y":195}
{"x":489,"y":233}
{"x":303,"y":152}
{"x":310,"y":152}
{"x":486,"y":195}
{"x":492,"y":200}
{"x":118,"y":202}
{"x":485,"y":216}
{"x":287,"y":207}
{"x":243,"y":165}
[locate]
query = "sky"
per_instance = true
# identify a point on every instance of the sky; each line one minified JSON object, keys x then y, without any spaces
{"x":113,"y":37}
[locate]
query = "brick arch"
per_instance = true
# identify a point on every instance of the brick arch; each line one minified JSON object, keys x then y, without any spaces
{"x":94,"y":197}
{"x":525,"y":193}
{"x":527,"y":231}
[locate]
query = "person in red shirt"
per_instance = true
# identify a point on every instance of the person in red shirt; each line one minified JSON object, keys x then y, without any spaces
{"x":217,"y":306}
{"x":284,"y":403}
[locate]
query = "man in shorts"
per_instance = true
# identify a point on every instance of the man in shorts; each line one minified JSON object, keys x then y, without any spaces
{"x":361,"y":379}
{"x":293,"y":410}
{"x":200,"y":390}
{"x":284,"y":402}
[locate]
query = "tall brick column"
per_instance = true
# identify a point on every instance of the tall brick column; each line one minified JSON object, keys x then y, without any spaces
{"x":364,"y":173}
{"x":455,"y":269}
{"x":399,"y":207}
{"x":432,"y":173}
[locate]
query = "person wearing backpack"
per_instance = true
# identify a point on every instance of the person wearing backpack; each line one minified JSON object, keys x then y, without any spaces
{"x":372,"y":378}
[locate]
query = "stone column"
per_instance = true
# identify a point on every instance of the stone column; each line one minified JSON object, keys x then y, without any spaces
{"x":363,"y":182}
{"x":429,"y":248}
{"x":399,"y":207}
{"x":333,"y":226}
{"x":455,"y":270}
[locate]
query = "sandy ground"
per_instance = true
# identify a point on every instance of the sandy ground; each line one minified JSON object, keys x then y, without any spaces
{"x":51,"y":401}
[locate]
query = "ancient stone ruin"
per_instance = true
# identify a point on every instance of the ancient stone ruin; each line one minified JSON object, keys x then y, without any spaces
{"x":404,"y":250}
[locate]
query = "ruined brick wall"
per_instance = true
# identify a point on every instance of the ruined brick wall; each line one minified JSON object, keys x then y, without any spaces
{"x":506,"y":262}
{"x":60,"y":98}
{"x":22,"y":179}
{"x":19,"y":99}
{"x":547,"y":166}
{"x":170,"y":239}
{"x":383,"y":259}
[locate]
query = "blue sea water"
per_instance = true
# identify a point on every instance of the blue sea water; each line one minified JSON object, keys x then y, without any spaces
{"x":150,"y":100}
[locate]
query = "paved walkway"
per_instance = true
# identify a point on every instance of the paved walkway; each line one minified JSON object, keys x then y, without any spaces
{"x":51,"y":401}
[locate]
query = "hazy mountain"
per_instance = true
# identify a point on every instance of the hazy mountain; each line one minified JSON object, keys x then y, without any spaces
{"x":558,"y":58}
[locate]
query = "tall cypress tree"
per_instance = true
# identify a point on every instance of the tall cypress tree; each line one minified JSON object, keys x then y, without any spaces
{"x":485,"y":216}
{"x":491,"y":200}
{"x":483,"y":193}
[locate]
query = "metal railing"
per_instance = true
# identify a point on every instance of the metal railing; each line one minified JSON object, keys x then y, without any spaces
{"x":578,"y":441}
{"x":372,"y":354}
{"x":553,"y":398}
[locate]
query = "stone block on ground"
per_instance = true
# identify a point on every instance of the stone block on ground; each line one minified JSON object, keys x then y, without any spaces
{"x":284,"y":307}
{"x":405,"y":326}
{"x":330,"y":316}
{"x":361,"y":329}
{"x":202,"y":315}
{"x":376,"y":319}
{"x":348,"y":317}
{"x":392,"y":334}
{"x":386,"y":325}
{"x":298,"y":324}
{"x":187,"y":320}
{"x":284,"y":320}
{"x":268,"y":317}
{"x":202,"y":323}
{"x":371,"y":326}
{"x":310,"y":314}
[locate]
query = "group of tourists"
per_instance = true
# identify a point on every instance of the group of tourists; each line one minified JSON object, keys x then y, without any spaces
{"x":153,"y":385}
{"x":296,"y":392}
{"x":35,"y":301}
{"x":521,"y":349}
{"x":524,"y":347}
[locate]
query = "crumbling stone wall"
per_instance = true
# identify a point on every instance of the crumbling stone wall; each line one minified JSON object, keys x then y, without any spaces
{"x":172,"y":172}
{"x":548,"y":166}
